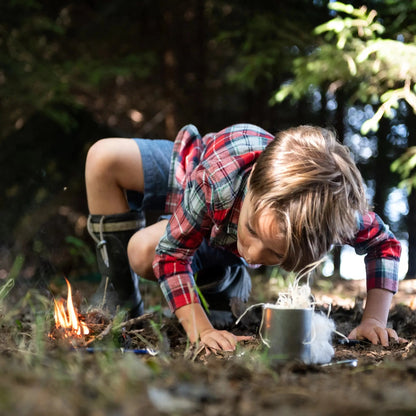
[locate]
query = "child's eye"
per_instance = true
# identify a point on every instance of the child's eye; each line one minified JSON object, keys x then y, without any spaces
{"x":250,"y":230}
{"x":277,"y":256}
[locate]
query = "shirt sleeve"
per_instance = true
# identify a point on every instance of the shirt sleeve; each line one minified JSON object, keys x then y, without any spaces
{"x":187,"y":227}
{"x":382,"y":250}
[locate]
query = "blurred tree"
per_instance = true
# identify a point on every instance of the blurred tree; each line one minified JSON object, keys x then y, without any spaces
{"x":138,"y":68}
{"x":263,"y":40}
{"x":354,"y":57}
{"x":148,"y":67}
{"x":175,"y":61}
{"x":61,"y":53}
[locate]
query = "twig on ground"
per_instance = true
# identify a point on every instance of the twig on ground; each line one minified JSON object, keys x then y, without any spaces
{"x":194,"y":350}
{"x":131,"y":322}
{"x":102,"y":334}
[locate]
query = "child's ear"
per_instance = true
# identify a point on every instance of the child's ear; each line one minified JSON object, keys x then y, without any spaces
{"x":249,"y":176}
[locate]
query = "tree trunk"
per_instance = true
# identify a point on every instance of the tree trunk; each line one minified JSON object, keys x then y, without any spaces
{"x":411,"y":200}
{"x":170,"y":71}
{"x":336,"y":258}
{"x":201,"y":64}
{"x":411,"y":229}
{"x":381,"y":168}
{"x":340,"y":129}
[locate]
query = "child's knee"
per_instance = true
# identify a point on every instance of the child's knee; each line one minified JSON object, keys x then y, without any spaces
{"x":141,"y":253}
{"x":101,"y":158}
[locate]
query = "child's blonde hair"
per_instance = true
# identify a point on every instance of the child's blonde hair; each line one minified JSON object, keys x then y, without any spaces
{"x":312,"y":184}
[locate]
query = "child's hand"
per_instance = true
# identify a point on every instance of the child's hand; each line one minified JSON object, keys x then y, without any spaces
{"x":221,"y":340}
{"x":374,"y":331}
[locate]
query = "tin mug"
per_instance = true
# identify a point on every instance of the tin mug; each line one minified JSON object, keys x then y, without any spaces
{"x":288,"y":333}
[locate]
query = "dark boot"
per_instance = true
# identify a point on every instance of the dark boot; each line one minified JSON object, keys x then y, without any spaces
{"x":112,"y":234}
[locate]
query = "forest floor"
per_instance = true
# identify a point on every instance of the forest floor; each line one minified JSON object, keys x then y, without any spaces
{"x":42,"y":373}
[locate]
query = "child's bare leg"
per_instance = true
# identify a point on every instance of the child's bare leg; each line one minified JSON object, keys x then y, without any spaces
{"x":141,"y":249}
{"x":112,"y":166}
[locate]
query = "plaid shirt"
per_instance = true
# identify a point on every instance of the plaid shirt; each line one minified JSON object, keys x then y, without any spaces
{"x":207,"y":184}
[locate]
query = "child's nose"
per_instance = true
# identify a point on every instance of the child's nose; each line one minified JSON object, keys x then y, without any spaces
{"x":255,"y":250}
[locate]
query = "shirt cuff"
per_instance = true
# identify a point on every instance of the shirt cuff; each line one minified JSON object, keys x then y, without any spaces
{"x":179,"y":291}
{"x":383,"y":273}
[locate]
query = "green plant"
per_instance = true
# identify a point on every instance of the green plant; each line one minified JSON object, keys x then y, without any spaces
{"x":5,"y":290}
{"x":79,"y":249}
{"x":405,"y":166}
{"x":17,"y":266}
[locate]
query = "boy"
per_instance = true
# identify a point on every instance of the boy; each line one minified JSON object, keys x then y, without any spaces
{"x":239,"y":195}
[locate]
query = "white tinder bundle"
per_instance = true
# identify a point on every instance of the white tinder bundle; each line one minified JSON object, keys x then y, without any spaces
{"x":322,"y":350}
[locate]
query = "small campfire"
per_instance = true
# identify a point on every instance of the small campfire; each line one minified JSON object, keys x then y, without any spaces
{"x":80,"y":331}
{"x":69,"y":323}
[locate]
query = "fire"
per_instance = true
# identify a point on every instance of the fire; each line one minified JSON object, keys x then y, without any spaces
{"x":67,"y":317}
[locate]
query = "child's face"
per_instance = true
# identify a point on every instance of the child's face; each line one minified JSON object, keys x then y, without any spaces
{"x":261,"y":242}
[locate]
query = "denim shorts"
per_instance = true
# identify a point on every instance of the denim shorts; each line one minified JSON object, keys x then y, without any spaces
{"x":156,"y":156}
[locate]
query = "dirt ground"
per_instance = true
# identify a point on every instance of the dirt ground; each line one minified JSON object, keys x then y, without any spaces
{"x":65,"y":377}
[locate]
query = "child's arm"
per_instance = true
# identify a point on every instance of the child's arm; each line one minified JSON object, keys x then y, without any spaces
{"x":382,"y":250}
{"x":374,"y":321}
{"x":175,"y":278}
{"x":197,"y":326}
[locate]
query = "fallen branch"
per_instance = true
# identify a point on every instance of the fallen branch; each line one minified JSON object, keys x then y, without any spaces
{"x":131,"y":322}
{"x":102,"y":334}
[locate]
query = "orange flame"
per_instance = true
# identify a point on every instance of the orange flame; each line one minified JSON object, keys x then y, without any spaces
{"x":67,"y":318}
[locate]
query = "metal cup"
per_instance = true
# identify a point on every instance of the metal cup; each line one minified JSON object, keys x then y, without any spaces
{"x":288,"y":333}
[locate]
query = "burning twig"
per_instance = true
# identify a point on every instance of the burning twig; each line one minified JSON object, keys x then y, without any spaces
{"x":67,"y":318}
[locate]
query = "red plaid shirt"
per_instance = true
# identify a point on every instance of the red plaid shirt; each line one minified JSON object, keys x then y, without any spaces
{"x":207,"y":184}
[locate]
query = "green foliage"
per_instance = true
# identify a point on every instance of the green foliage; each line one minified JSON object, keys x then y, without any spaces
{"x":16,"y":267}
{"x":405,"y":165}
{"x":325,"y":66}
{"x":30,"y":78}
{"x":345,"y":29}
{"x":263,"y":52}
{"x":4,"y":291}
{"x":392,"y":63}
{"x":352,"y":56}
{"x":47,"y":58}
{"x":332,"y":64}
{"x":266,"y":38}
